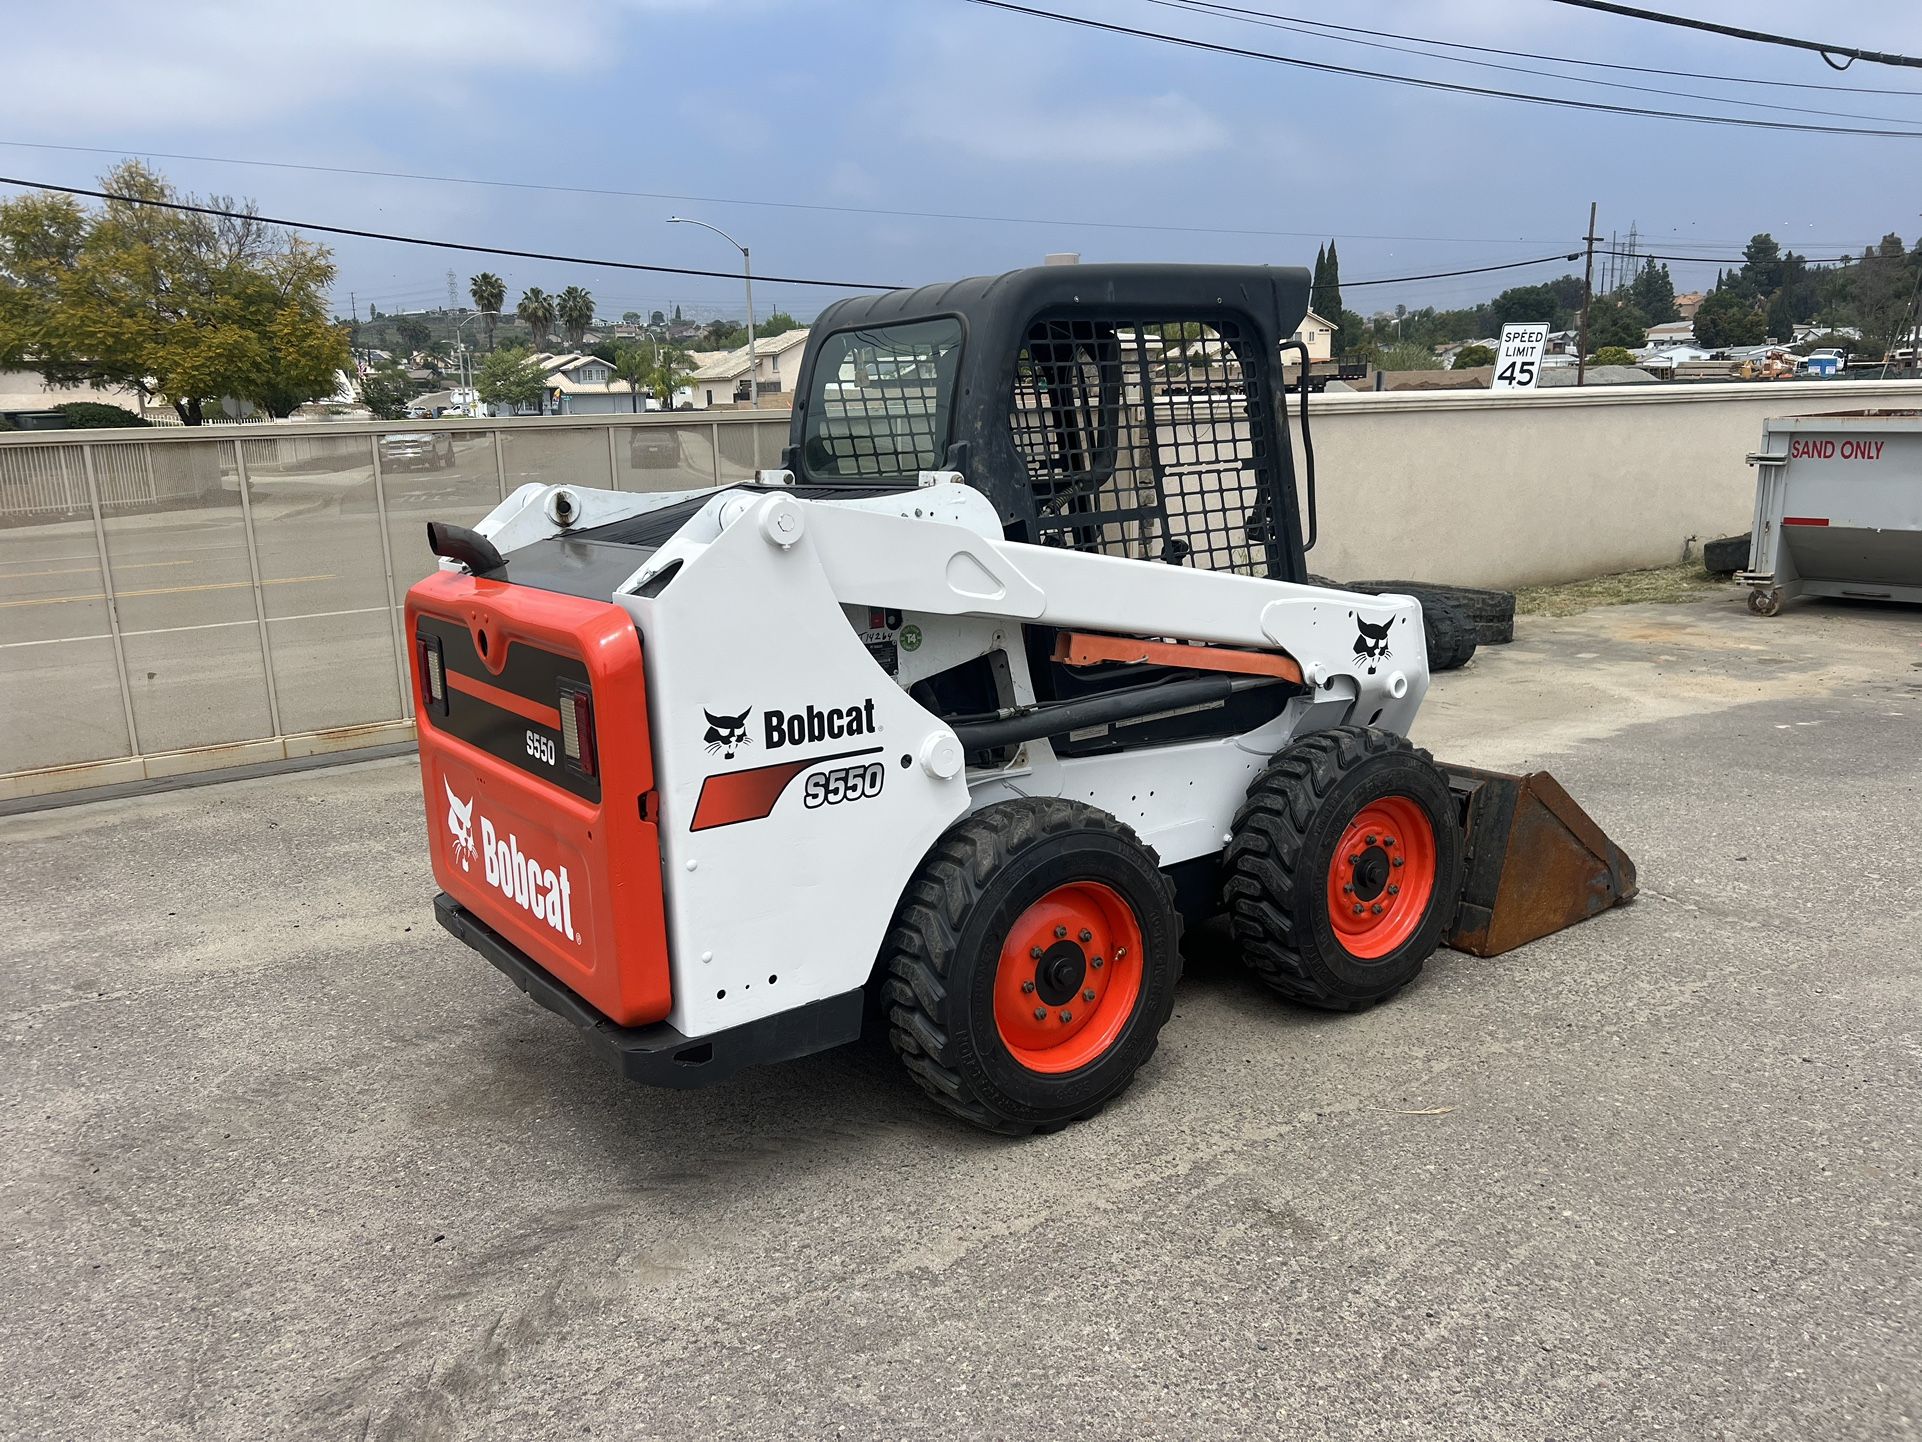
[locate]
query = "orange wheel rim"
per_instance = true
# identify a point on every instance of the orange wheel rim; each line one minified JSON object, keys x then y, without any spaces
{"x":1382,"y":877}
{"x":1068,"y":978}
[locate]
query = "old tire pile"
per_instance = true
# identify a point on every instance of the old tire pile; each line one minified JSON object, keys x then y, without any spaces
{"x":1726,"y":556}
{"x":1490,"y":613}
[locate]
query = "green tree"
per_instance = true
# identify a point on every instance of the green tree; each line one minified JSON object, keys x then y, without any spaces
{"x":776,"y":323}
{"x":669,"y":374}
{"x":1352,"y":336}
{"x":94,"y":416}
{"x":1325,"y":294}
{"x":1615,"y":323}
{"x":677,"y":315}
{"x":632,"y":317}
{"x":1532,"y":304}
{"x":723,"y":335}
{"x":490,"y":298}
{"x":169,"y":303}
{"x":536,"y":310}
{"x":657,"y":319}
{"x":413,"y":332}
{"x":1612,"y":355}
{"x":1473,"y":355}
{"x":1762,"y":264}
{"x":574,"y":308}
{"x":1729,"y":318}
{"x":385,"y":391}
{"x":1408,"y":356}
{"x":1652,"y":292}
{"x":635,"y":365}
{"x":1880,"y":291}
{"x":512,"y":377}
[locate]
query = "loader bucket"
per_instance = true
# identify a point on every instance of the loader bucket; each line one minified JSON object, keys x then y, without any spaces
{"x":1535,"y":863}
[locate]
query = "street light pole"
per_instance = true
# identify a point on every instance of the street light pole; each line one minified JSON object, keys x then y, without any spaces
{"x":747,"y":275}
{"x":466,"y":381}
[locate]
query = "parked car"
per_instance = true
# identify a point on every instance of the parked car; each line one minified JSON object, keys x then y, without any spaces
{"x":653,"y":448}
{"x":416,"y":450}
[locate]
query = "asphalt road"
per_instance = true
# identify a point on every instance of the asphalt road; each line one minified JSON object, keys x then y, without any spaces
{"x":285,"y":1160}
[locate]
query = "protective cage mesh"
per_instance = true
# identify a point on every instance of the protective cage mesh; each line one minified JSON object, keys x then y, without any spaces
{"x":1149,"y":439}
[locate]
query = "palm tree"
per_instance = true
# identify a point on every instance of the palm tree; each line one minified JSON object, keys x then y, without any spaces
{"x":633,"y":364}
{"x":490,"y":294}
{"x":536,"y":308}
{"x":575,"y":307}
{"x":669,"y":373}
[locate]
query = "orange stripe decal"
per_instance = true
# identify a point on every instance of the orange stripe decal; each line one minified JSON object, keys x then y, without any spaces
{"x":541,"y":715}
{"x":1079,"y":648}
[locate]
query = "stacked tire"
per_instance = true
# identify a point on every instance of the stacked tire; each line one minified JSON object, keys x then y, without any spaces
{"x":1455,"y":619}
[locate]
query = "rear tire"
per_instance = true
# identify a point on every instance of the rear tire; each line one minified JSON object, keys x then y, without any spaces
{"x":1345,"y":818}
{"x":961,"y":984}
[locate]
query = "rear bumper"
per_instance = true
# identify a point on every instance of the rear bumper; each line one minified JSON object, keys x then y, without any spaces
{"x":658,"y":1054}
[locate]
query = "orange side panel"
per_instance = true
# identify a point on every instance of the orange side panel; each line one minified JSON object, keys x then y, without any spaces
{"x":573,"y":882}
{"x":1083,"y":648}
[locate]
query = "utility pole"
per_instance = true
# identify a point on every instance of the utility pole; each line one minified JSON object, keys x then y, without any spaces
{"x":1588,"y":286}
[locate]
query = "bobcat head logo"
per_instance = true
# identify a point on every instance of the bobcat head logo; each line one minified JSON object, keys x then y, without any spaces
{"x":460,"y":827}
{"x":1371,"y":643}
{"x":726,"y":734}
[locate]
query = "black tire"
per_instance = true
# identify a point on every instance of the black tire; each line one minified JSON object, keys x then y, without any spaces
{"x":1491,"y":613}
{"x":943,"y":953}
{"x":1282,"y":853}
{"x":1451,"y":639}
{"x":1726,"y":556}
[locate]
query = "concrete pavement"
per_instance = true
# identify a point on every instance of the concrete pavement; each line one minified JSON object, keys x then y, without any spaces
{"x":286,"y":1160}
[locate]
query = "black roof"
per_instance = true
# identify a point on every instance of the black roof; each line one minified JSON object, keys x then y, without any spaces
{"x":1278,"y":294}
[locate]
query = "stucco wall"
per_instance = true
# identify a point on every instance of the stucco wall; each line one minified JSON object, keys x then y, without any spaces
{"x":1509,"y":490}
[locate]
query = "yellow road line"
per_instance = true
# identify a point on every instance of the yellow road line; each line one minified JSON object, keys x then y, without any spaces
{"x":85,"y":570}
{"x":170,"y":590}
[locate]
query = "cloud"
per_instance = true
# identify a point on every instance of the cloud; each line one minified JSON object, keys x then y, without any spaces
{"x":1107,"y":133}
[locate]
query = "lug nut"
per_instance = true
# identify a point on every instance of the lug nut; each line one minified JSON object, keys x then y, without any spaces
{"x":1027,"y":986}
{"x":1088,"y":995}
{"x":1095,"y":962}
{"x":1376,"y":908}
{"x":1394,"y":890}
{"x":1086,"y":936}
{"x":1359,"y":908}
{"x":1120,"y":953}
{"x":1034,"y":953}
{"x":1371,"y":840}
{"x":1067,"y":1016}
{"x":1355,"y":860}
{"x":1398,"y":861}
{"x":1060,"y":932}
{"x":1040,"y":1013}
{"x":1388,"y":841}
{"x":1348,"y":888}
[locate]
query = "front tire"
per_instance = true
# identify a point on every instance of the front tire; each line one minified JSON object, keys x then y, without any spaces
{"x":1031,"y":965}
{"x":1344,"y":867}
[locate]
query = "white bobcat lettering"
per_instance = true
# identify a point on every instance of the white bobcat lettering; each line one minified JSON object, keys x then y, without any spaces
{"x":546,"y":892}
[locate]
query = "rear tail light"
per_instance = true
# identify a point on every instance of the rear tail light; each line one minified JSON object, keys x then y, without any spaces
{"x":433,"y":676}
{"x":577,"y":730}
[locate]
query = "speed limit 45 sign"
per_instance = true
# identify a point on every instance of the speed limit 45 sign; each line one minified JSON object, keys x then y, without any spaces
{"x":1518,"y":365}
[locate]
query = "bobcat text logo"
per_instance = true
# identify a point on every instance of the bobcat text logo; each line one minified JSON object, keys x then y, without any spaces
{"x":797,"y":728}
{"x":460,"y":827}
{"x":726,"y":734}
{"x":545,"y":891}
{"x":1371,"y":643}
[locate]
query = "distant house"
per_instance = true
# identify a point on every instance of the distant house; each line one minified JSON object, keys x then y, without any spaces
{"x":585,"y":385}
{"x":723,"y":379}
{"x":1318,"y":334}
{"x":1670,"y":333}
{"x":27,"y":391}
{"x":1689,"y":302}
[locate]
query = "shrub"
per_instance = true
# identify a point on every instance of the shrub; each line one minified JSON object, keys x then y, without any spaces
{"x":1473,"y":355}
{"x":92,"y":415}
{"x":1614,"y":355}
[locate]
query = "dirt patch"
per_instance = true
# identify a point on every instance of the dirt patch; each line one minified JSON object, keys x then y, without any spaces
{"x":1686,"y":582}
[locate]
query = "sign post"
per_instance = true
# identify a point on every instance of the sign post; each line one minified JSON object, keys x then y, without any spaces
{"x":1518,"y":364}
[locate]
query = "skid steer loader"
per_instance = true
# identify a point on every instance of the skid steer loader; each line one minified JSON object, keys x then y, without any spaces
{"x":951,"y":720}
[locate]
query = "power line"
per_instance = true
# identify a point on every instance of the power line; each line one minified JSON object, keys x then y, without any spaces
{"x":1591,"y":64}
{"x":613,"y":264}
{"x":1056,"y":221}
{"x":1260,"y":17}
{"x":1471,"y":270}
{"x":1692,"y":117}
{"x":1826,"y":51}
{"x":438,"y":244}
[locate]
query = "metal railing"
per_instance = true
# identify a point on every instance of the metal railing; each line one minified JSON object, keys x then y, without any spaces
{"x":169,"y":590}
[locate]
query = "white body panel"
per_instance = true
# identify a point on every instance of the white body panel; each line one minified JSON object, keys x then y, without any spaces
{"x":765,"y":614}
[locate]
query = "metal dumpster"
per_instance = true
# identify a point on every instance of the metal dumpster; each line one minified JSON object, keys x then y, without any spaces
{"x":1838,"y":509}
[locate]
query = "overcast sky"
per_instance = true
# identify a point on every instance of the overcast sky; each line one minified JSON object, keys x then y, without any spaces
{"x":944,"y":106}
